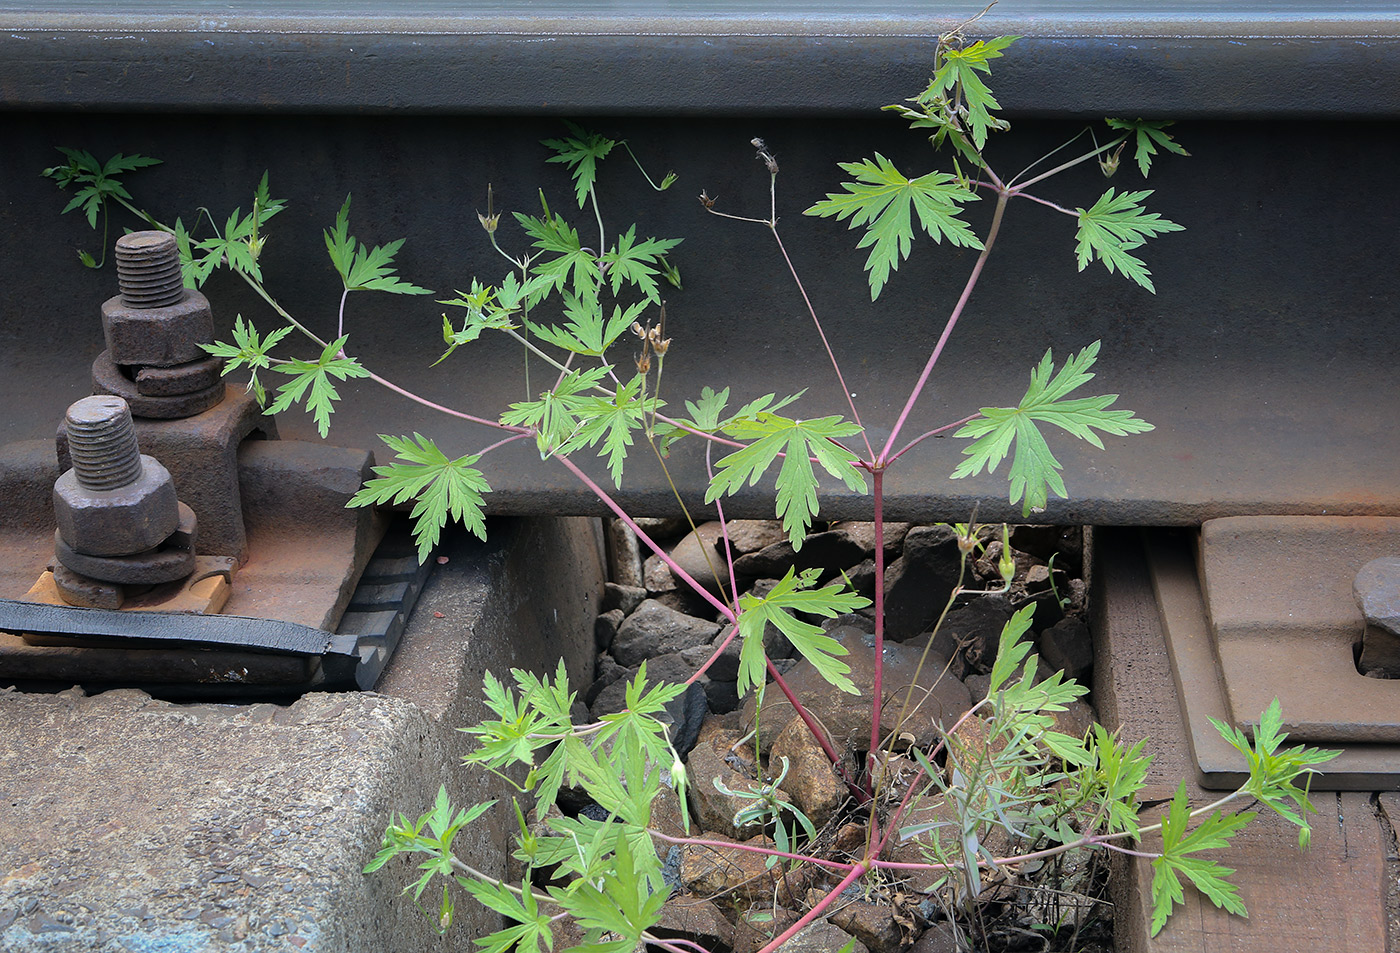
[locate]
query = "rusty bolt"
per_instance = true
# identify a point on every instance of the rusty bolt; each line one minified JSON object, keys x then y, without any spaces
{"x":148,"y":270}
{"x":116,"y":500}
{"x":155,"y":321}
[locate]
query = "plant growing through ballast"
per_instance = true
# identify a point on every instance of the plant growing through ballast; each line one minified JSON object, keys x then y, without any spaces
{"x":570,"y":298}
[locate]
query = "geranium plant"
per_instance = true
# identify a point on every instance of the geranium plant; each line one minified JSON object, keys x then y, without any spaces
{"x":569,"y":299}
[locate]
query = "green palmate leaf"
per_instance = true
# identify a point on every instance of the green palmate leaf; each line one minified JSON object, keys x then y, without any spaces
{"x":793,"y":594}
{"x":1034,"y":469}
{"x":1207,"y":876}
{"x":363,"y":268}
{"x":195,"y":271}
{"x":1273,"y":770}
{"x":881,"y":200}
{"x":612,"y":420}
{"x":238,"y":246}
{"x":98,"y":180}
{"x":1147,"y":136}
{"x":1115,"y":226}
{"x":530,"y":930}
{"x":957,"y":80}
{"x":637,"y":263}
{"x":312,"y":380}
{"x":248,"y":350}
{"x":488,"y":309}
{"x":552,"y":234}
{"x":799,"y":440}
{"x":526,"y":722}
{"x":555,"y":416}
{"x":1116,"y":775}
{"x":443,"y":489}
{"x":589,"y":330}
{"x":620,"y":903}
{"x":581,"y":153}
{"x":706,"y":413}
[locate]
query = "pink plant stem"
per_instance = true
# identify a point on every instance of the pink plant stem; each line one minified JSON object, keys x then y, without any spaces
{"x":501,"y":443}
{"x":931,"y":433}
{"x":685,"y":577}
{"x":877,"y":702}
{"x":893,"y":822}
{"x":612,"y":504}
{"x":813,"y":727}
{"x":856,"y":873}
{"x":728,"y":845}
{"x":678,"y":944}
{"x":948,"y":328}
{"x":845,"y":391}
{"x":719,"y":650}
{"x":442,"y":408}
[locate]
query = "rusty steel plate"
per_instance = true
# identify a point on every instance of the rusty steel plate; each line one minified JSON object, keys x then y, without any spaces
{"x":1363,"y":765}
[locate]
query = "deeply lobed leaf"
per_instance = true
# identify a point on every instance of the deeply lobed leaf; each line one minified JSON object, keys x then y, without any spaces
{"x":881,"y":200}
{"x":798,"y":441}
{"x":442,"y":488}
{"x":1034,"y":469}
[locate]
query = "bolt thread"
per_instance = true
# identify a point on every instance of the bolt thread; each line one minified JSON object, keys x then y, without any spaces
{"x":148,"y":270}
{"x":102,"y":443}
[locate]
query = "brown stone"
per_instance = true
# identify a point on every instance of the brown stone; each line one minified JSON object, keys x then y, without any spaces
{"x":937,"y":699}
{"x":1067,"y":647}
{"x":624,"y":555}
{"x":713,"y":808}
{"x":871,"y":923}
{"x":756,"y":927}
{"x":709,"y":870}
{"x":749,"y":536}
{"x":657,"y":576}
{"x":697,"y":920}
{"x":811,"y":782}
{"x":939,"y":938}
{"x":821,"y":937}
{"x":1077,"y":718}
{"x":699,"y":555}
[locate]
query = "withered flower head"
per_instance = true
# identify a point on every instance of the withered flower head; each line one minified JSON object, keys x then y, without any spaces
{"x":764,"y":154}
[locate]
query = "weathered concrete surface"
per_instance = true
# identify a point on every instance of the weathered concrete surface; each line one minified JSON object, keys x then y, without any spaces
{"x":1329,"y":897}
{"x":132,"y":825}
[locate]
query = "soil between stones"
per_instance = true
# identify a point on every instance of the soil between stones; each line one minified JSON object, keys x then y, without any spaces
{"x":729,"y":900}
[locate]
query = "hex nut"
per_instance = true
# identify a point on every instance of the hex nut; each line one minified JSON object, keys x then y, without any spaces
{"x":158,"y":337}
{"x":173,"y":559}
{"x":129,"y":519}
